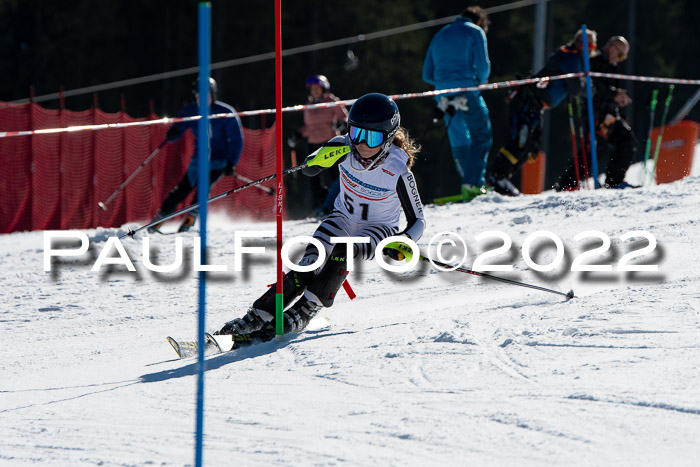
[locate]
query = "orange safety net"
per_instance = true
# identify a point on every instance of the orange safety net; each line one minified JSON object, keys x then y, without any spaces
{"x":54,"y":181}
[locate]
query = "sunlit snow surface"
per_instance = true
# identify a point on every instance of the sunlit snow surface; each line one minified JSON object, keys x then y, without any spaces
{"x":423,"y":368}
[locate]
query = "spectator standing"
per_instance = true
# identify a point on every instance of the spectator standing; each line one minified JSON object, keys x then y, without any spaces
{"x":226,"y":145}
{"x":320,"y":125}
{"x":527,"y":105}
{"x":612,"y":128}
{"x":458,"y":57}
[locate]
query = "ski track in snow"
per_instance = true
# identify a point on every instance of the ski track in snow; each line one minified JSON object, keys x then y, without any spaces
{"x":423,"y":368}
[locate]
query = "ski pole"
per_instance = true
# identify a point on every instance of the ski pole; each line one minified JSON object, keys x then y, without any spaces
{"x":582,"y":138}
{"x":661,"y":133}
{"x":325,"y":157}
{"x":266,"y":189}
{"x":647,"y":150}
{"x":103,"y":205}
{"x":572,"y":130}
{"x":407,"y":253}
{"x":131,"y":233}
{"x":569,"y":295}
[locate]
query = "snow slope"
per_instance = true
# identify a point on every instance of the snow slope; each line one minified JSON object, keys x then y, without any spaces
{"x":423,"y":368}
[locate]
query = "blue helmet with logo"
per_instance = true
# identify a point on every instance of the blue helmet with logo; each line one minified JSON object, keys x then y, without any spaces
{"x":373,"y":119}
{"x":320,"y":80}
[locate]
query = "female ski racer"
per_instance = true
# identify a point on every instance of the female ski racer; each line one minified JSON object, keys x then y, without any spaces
{"x":376,"y":182}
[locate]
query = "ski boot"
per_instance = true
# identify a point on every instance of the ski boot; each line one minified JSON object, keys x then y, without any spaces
{"x":297,"y":317}
{"x":189,"y":221}
{"x":253,"y":321}
{"x":503,"y":186}
{"x":156,"y":227}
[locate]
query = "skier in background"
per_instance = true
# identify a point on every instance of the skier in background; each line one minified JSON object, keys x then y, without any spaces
{"x":376,"y":183}
{"x":320,"y":125}
{"x":526,"y":108}
{"x":612,"y":128}
{"x":226,"y":145}
{"x":458,"y":57}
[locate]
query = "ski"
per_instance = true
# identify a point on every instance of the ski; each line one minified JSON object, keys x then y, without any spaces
{"x":219,"y":343}
{"x":222,"y":343}
{"x":624,"y":185}
{"x":448,"y":199}
{"x":464,"y":197}
{"x":213,"y":345}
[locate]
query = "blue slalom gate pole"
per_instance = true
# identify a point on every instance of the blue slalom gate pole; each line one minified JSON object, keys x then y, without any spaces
{"x":204,"y":39}
{"x":589,"y":98}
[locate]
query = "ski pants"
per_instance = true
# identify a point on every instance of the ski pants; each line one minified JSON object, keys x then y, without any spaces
{"x":322,"y":285}
{"x":338,"y":225}
{"x":525,"y":113}
{"x":623,"y":143}
{"x":470,"y":138}
{"x":184,"y":188}
{"x":624,"y":146}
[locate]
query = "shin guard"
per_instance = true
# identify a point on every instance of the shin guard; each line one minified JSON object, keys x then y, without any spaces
{"x":326,"y":284}
{"x":293,"y":284}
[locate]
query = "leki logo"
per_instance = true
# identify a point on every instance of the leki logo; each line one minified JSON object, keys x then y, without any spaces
{"x":340,"y":151}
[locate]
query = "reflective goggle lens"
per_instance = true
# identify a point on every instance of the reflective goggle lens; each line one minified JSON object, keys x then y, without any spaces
{"x":372,"y":138}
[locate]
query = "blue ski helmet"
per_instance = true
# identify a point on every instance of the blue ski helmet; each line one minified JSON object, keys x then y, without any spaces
{"x":320,"y":80}
{"x":373,"y":119}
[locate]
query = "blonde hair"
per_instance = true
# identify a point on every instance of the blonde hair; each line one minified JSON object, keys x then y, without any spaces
{"x":591,"y":35}
{"x":407,"y":144}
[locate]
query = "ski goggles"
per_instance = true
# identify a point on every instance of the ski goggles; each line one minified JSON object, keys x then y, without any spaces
{"x":372,"y":138}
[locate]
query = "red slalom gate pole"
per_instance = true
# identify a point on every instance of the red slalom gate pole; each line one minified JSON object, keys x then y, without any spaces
{"x":582,"y":138}
{"x":279,"y":300}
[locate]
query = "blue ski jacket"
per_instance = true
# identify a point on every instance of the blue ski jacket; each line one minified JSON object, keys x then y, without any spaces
{"x":226,"y":134}
{"x":457,"y":56}
{"x":565,"y":60}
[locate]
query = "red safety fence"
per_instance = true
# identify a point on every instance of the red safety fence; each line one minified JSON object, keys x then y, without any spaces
{"x":54,"y":181}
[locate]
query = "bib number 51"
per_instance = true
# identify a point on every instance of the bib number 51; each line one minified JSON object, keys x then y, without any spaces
{"x":349,"y":202}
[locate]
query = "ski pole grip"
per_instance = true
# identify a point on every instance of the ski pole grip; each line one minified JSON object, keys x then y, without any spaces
{"x":327,"y":156}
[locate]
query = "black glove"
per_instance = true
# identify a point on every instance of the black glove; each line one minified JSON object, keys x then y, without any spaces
{"x":444,"y":106}
{"x":293,"y":140}
{"x":437,"y":114}
{"x":396,"y":255}
{"x":230,"y":169}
